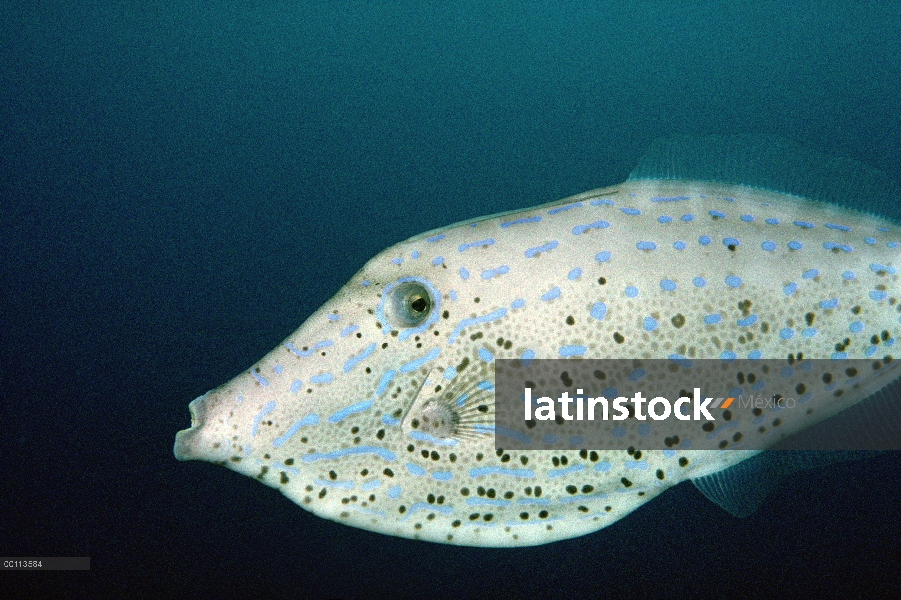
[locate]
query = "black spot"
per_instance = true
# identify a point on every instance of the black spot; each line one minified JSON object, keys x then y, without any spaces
{"x":618,"y":338}
{"x":678,"y":321}
{"x":570,"y":320}
{"x":808,"y":318}
{"x":602,"y":280}
{"x":659,"y":473}
{"x":626,"y":482}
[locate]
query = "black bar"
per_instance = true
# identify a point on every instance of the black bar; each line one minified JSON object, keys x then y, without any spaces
{"x":43,"y":563}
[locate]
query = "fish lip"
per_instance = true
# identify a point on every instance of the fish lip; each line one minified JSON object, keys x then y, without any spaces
{"x":187,"y":439}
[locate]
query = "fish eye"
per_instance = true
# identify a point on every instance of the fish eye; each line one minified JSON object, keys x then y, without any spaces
{"x":409,"y":304}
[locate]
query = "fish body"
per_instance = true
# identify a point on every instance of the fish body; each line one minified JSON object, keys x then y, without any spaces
{"x":343,"y":419}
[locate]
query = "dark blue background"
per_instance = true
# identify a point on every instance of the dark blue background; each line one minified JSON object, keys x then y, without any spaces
{"x":181,"y":187}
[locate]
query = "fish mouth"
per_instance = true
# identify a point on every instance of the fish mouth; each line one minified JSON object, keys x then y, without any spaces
{"x":186,"y":440}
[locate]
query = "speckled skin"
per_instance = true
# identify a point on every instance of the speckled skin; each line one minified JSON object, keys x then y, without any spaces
{"x":646,"y":269}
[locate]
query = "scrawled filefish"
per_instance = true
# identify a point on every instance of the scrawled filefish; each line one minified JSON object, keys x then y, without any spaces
{"x":709,"y":250}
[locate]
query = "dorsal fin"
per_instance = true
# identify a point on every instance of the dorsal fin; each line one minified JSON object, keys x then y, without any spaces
{"x":774,"y":164}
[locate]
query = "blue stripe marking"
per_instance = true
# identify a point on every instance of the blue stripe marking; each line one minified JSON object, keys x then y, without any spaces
{"x":727,"y":355}
{"x":531,"y":252}
{"x":348,"y":330}
{"x":309,"y":420}
{"x":572,"y":350}
{"x":492,"y":316}
{"x":580,"y":229}
{"x":534,"y":219}
{"x":267,"y":408}
{"x":772,"y":221}
{"x":487,"y":502}
{"x":733,"y":281}
{"x":717,"y":214}
{"x":437,"y":260}
{"x":310,"y":350}
{"x":518,"y":303}
{"x":877,"y":267}
{"x":790,"y":288}
{"x":747,"y":321}
{"x":679,"y":245}
{"x":442,"y":475}
{"x":560,"y":209}
{"x":415,"y":470}
{"x":663,"y":219}
{"x":649,"y":323}
{"x":526,"y":357}
{"x":810,"y":274}
{"x":296,"y":385}
{"x":645,"y":245}
{"x":418,"y":362}
{"x":747,"y":218}
{"x":464,"y":273}
{"x":602,"y":257}
{"x":855,"y":327}
{"x":768,"y":246}
{"x":485,"y":355}
{"x":489,"y":273}
{"x":397,"y":261}
{"x":435,"y":238}
{"x":598,"y":310}
{"x":731,"y":241}
{"x":667,"y":285}
{"x":551,"y":294}
{"x":393,"y":492}
{"x":344,"y":485}
{"x":450,"y":373}
{"x":349,"y":410}
{"x":877,"y":295}
{"x":260,"y":379}
{"x":322,"y":378}
{"x":384,"y":381}
{"x":377,"y":450}
{"x":839,"y":227}
{"x":786,"y":334}
{"x":829,"y":303}
{"x":370,"y":485}
{"x":712,"y":319}
{"x":687,"y":218}
{"x":476,"y":244}
{"x":552,"y":473}
{"x":668,"y":198}
{"x":848,"y":275}
{"x":630,"y":211}
{"x":834,"y":246}
{"x":631,"y":291}
{"x":804,"y":224}
{"x":795,"y":245}
{"x":479,"y":471}
{"x":869,"y":240}
{"x":354,"y":360}
{"x":699,"y":282}
{"x":704,"y":240}
{"x":809,"y":332}
{"x":574,"y":274}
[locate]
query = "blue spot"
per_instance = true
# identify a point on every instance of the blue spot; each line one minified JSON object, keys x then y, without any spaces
{"x":414,"y":255}
{"x":755,"y":354}
{"x":396,"y":261}
{"x":731,"y":241}
{"x":786,"y":333}
{"x":560,"y":209}
{"x":810,"y":274}
{"x":646,"y":246}
{"x":322,"y":378}
{"x":727,"y":355}
{"x":580,"y":229}
{"x":704,"y":240}
{"x":631,"y":291}
{"x":876,"y":268}
{"x":712,"y":319}
{"x":450,"y":373}
{"x":618,"y":431}
{"x":869,"y":240}
{"x":667,"y":285}
{"x":277,"y":369}
{"x":349,"y":410}
{"x":747,"y":321}
{"x":518,"y":303}
{"x":534,"y":219}
{"x":602,"y":257}
{"x":485,"y":355}
{"x":598,"y":310}
{"x":649,"y":324}
{"x":839,"y":227}
{"x":768,"y":246}
{"x":415,"y":470}
{"x":464,"y":274}
{"x":848,"y":275}
{"x":603,"y":466}
{"x":551,"y":294}
{"x":393,"y":492}
{"x":468,"y":245}
{"x":804,"y":224}
{"x":354,"y":360}
{"x":699,"y":282}
{"x":453,"y":295}
{"x":717,"y":214}
{"x":833,"y":246}
{"x":636,"y":374}
{"x":747,"y":218}
{"x":631,"y":211}
{"x":531,"y":252}
{"x":435,"y":238}
{"x":679,"y":245}
{"x":296,"y":385}
{"x":349,"y":330}
{"x":790,"y":288}
{"x":442,"y":475}
{"x":668,"y":198}
{"x":489,"y":273}
{"x":809,"y":332}
{"x":527,"y":357}
{"x":856,"y":327}
{"x":664,"y":219}
{"x":870,"y":351}
{"x":772,"y":221}
{"x":437,"y":260}
{"x":574,"y":274}
{"x":333,"y":317}
{"x":892,"y":245}
{"x":377,"y":450}
{"x":479,"y":471}
{"x":795,"y":245}
{"x":829,"y":303}
{"x":418,"y":362}
{"x":687,"y":218}
{"x":838,"y":355}
{"x":572,"y":350}
{"x":877,"y":295}
{"x":733,"y":281}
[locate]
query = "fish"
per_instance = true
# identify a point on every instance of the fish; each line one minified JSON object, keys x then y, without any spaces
{"x":378,"y":411}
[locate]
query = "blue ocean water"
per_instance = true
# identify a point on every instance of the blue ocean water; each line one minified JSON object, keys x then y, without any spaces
{"x":182,"y":184}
